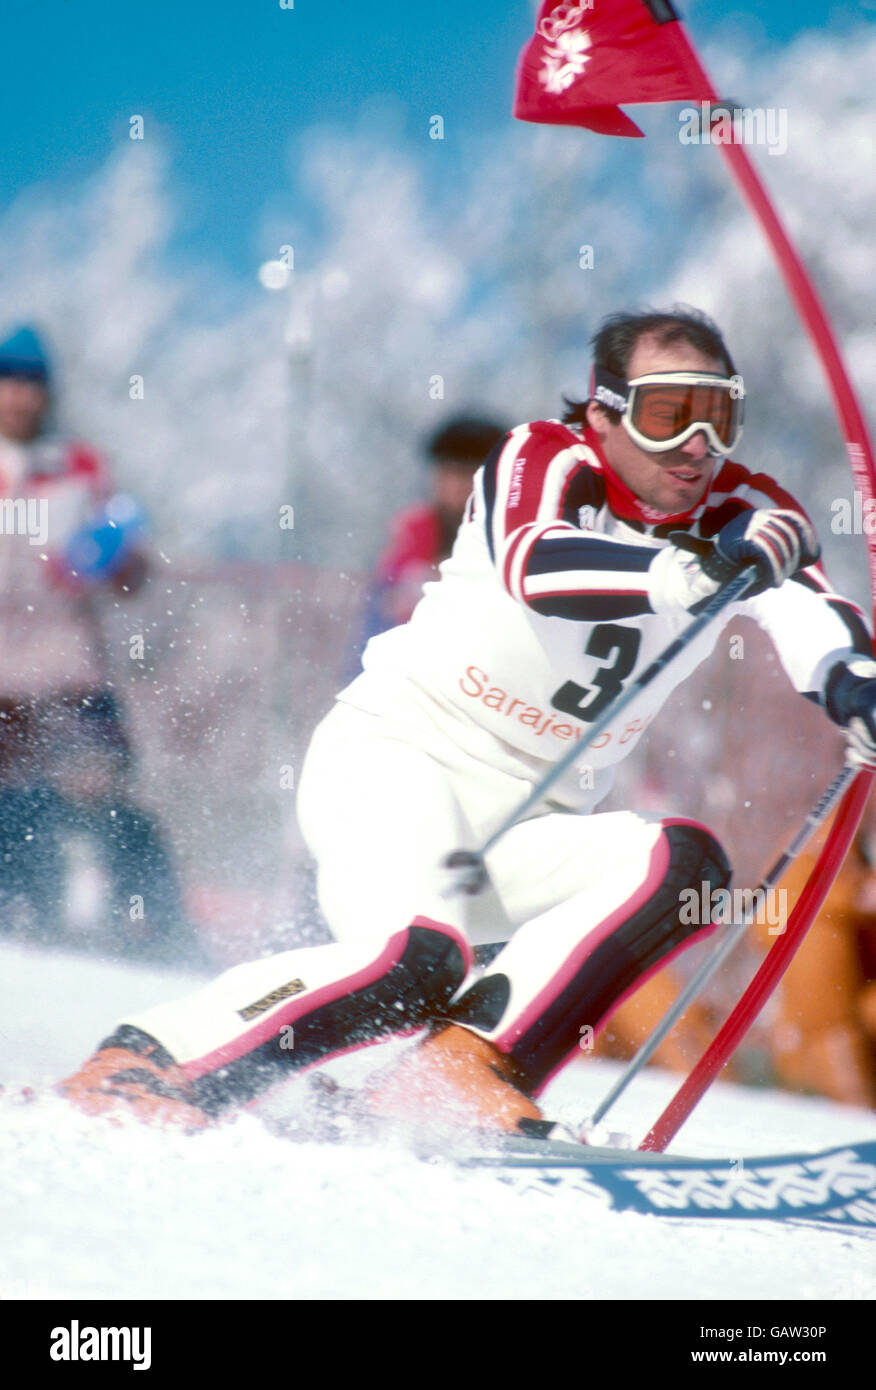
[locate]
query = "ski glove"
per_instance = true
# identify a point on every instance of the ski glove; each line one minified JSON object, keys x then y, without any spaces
{"x":850,"y":700}
{"x":778,"y":541}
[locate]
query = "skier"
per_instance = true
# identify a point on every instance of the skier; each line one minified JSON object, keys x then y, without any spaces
{"x":586,"y":545}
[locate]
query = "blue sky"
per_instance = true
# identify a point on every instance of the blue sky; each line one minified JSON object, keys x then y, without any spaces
{"x":230,"y":85}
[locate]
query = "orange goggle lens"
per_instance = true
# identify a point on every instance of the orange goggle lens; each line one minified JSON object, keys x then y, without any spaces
{"x":662,"y":411}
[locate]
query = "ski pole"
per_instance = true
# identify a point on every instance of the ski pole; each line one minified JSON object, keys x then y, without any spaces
{"x":728,"y":942}
{"x":468,"y":866}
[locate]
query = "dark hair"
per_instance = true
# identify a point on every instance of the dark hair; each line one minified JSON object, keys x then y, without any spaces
{"x":465,"y":439}
{"x":617,"y":336}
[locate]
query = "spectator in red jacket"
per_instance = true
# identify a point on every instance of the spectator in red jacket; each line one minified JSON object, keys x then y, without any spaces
{"x":421,"y":536}
{"x":65,"y":756}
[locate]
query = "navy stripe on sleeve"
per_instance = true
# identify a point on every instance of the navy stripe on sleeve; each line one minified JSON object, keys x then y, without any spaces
{"x":590,"y":607}
{"x":587,"y":552}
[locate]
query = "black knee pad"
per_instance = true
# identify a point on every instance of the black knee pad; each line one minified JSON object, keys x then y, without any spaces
{"x":696,"y":857}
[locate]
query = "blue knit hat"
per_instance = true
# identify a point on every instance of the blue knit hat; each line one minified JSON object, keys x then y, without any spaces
{"x":23,"y":354}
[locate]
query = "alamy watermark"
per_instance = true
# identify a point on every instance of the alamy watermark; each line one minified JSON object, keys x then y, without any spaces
{"x":708,"y":124}
{"x":76,"y":1343}
{"x":725,"y":906}
{"x":854,"y":516}
{"x":25,"y":516}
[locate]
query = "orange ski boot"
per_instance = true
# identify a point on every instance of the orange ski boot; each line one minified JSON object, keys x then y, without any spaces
{"x":454,"y":1079}
{"x":131,"y":1073}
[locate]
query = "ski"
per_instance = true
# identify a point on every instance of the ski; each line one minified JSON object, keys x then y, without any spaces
{"x":836,"y":1187}
{"x":833,"y":1187}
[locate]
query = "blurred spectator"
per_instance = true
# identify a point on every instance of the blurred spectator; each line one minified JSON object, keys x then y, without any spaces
{"x":421,"y":536}
{"x":65,"y":756}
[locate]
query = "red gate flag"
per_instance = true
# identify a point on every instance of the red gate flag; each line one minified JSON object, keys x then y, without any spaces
{"x":586,"y":59}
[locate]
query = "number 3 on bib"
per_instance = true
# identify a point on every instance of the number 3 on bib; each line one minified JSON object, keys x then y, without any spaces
{"x":618,"y":647}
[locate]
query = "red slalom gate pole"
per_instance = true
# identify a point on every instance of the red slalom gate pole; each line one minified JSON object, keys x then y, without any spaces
{"x":768,"y":975}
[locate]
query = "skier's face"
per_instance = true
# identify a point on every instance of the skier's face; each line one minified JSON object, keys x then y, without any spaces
{"x":671,"y":482}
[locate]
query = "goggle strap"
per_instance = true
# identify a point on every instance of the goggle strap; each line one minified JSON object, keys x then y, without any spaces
{"x":608,"y":390}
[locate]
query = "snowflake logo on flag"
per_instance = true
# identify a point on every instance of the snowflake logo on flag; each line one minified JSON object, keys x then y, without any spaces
{"x":565,"y":61}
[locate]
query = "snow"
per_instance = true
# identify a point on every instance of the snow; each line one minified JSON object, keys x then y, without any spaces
{"x":93,"y":1209}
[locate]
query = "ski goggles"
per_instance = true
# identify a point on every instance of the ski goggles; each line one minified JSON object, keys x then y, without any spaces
{"x":663,"y":410}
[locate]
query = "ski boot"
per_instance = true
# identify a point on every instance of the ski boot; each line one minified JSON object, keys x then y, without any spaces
{"x":455,"y":1079}
{"x":131,"y":1073}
